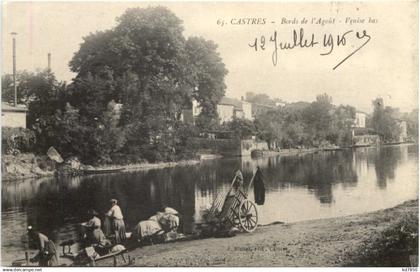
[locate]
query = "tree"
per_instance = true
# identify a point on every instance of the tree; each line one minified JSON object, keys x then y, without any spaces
{"x":22,"y":78}
{"x":208,"y":73}
{"x":384,"y":122}
{"x":241,"y":128}
{"x":343,"y":121}
{"x":147,"y":65}
{"x":412,"y":120}
{"x":43,"y":95}
{"x":318,"y":117}
{"x":261,"y":99}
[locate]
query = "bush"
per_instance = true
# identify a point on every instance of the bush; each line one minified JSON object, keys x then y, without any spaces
{"x":17,"y":140}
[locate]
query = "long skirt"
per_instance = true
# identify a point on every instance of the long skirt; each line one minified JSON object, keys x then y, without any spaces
{"x":108,"y":226}
{"x":50,"y":259}
{"x":119,"y":230}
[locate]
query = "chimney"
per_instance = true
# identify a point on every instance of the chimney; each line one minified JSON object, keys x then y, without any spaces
{"x":49,"y":61}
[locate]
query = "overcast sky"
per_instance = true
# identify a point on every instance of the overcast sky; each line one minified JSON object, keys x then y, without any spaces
{"x":386,"y":66}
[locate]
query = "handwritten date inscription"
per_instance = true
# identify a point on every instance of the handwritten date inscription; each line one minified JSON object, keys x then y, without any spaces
{"x":329,"y":42}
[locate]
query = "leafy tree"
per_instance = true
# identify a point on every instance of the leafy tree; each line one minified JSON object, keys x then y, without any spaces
{"x":208,"y":73}
{"x":43,"y":95}
{"x":343,"y":121}
{"x":318,"y":117}
{"x":23,"y":79}
{"x":412,"y":120}
{"x":383,"y":121}
{"x":241,"y":128}
{"x":261,"y":99}
{"x":146,"y":64}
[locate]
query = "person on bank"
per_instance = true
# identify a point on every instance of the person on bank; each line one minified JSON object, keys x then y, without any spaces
{"x":94,"y":232}
{"x":118,"y":226}
{"x":47,"y":255}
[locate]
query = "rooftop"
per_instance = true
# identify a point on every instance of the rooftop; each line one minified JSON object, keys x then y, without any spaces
{"x":237,"y":104}
{"x":7,"y":107}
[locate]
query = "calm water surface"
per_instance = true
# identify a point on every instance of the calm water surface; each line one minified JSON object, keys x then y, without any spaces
{"x":326,"y":184}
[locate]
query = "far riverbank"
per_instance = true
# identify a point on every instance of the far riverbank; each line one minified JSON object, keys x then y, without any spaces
{"x":27,"y":165}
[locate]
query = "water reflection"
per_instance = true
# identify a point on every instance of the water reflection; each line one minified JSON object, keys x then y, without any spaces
{"x":299,"y":187}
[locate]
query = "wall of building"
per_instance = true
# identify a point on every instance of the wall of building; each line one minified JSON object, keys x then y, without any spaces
{"x":225,"y":147}
{"x":229,"y":147}
{"x":365,"y":140}
{"x":196,"y":109}
{"x":239,"y":114}
{"x":403,"y":133}
{"x":247,"y":110}
{"x":187,"y":117}
{"x":360,"y":120}
{"x":225,"y":113}
{"x":13,"y":119}
{"x":247,"y":146}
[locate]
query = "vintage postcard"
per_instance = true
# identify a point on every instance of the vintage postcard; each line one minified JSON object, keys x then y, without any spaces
{"x":195,"y":134}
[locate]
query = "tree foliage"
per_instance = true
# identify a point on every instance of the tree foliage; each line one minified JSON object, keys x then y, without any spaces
{"x":384,"y":121}
{"x":146,"y":65}
{"x":307,"y":124}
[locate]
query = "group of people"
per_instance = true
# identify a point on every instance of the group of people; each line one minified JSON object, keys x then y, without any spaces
{"x":114,"y":224}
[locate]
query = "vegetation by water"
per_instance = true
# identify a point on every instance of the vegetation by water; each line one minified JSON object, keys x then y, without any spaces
{"x":133,"y":82}
{"x":397,"y":245}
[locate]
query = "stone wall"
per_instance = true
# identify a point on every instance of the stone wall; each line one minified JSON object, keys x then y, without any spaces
{"x":229,"y":147}
{"x":247,"y":146}
{"x":364,"y":140}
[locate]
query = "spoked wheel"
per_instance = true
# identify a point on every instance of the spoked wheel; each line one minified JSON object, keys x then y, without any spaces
{"x":248,"y":215}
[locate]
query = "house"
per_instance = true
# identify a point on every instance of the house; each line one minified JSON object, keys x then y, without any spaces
{"x":241,"y":109}
{"x":225,"y":112}
{"x":12,"y":116}
{"x":360,"y":119}
{"x":227,"y":109}
{"x":403,"y":131}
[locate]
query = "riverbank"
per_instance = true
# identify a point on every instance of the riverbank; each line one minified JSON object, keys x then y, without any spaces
{"x":381,"y":238}
{"x":28,"y":165}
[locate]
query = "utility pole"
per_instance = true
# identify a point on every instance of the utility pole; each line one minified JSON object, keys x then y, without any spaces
{"x":14,"y":66}
{"x":49,"y":62}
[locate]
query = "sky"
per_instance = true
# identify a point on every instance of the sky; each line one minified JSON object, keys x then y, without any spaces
{"x":386,"y":66}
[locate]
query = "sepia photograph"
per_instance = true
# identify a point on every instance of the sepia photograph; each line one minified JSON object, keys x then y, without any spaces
{"x":209,"y":134}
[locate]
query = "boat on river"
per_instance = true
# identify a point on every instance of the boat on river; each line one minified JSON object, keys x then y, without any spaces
{"x":103,"y":171}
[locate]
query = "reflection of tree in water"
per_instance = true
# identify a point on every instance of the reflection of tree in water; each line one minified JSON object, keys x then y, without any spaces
{"x":318,"y":172}
{"x":140,"y":195}
{"x":386,"y":160}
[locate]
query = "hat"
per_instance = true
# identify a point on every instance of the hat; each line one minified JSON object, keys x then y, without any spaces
{"x":29,"y":228}
{"x":92,"y":212}
{"x":114,"y":201}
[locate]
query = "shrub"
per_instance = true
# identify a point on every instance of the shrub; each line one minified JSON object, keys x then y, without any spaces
{"x":17,"y":140}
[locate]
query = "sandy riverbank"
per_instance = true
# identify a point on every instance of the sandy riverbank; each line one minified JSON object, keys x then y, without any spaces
{"x":356,"y":240}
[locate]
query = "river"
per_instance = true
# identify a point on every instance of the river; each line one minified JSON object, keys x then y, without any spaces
{"x":300,"y":187}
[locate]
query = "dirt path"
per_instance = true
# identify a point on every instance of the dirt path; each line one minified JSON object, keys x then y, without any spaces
{"x":324,"y":242}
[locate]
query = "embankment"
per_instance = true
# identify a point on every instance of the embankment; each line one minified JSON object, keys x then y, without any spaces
{"x":383,"y":238}
{"x":28,"y":165}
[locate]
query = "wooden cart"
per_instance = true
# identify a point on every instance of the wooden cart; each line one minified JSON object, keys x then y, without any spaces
{"x":234,"y":208}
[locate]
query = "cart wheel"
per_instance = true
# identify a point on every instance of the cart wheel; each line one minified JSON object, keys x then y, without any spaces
{"x":248,"y":215}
